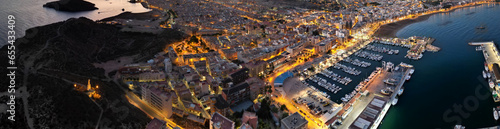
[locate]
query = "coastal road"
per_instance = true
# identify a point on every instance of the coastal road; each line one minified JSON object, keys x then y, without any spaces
{"x":150,"y":111}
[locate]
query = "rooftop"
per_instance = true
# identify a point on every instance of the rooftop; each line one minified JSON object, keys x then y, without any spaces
{"x":221,"y":122}
{"x":369,"y":114}
{"x":156,"y":124}
{"x":293,"y":121}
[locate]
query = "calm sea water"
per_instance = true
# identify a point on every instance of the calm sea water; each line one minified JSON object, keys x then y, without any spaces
{"x":449,"y":78}
{"x":30,"y":13}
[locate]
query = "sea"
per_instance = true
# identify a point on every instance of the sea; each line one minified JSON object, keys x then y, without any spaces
{"x":447,"y":87}
{"x":31,"y":13}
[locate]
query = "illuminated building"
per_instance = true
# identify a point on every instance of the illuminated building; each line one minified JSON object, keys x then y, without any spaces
{"x":236,"y":93}
{"x":158,"y":98}
{"x":256,"y":68}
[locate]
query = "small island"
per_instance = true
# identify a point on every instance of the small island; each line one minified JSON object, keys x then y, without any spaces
{"x":71,"y":5}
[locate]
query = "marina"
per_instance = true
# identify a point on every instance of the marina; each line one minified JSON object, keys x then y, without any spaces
{"x":356,"y":77}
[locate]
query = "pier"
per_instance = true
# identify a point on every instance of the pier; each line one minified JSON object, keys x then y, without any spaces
{"x":490,"y":52}
{"x":370,"y":108}
{"x":492,"y":59}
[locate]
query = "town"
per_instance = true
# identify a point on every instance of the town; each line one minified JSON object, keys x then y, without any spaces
{"x":264,"y":64}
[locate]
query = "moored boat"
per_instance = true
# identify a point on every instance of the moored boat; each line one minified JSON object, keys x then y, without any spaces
{"x":401,"y":91}
{"x":395,"y":101}
{"x":492,"y":85}
{"x":498,"y":110}
{"x":484,"y":74}
{"x":486,"y":66}
{"x":385,"y":92}
{"x":495,"y":114}
{"x":459,"y":127}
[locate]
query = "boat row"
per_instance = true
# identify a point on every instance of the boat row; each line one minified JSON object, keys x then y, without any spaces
{"x":414,"y":57}
{"x":382,"y":49}
{"x":348,"y":97}
{"x":479,"y":48}
{"x":368,"y":55}
{"x":325,"y":84}
{"x":336,"y":77}
{"x":357,"y":62}
{"x":393,"y":44}
{"x":346,"y":69}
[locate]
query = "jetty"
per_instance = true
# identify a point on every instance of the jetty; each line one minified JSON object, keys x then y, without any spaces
{"x":492,"y":61}
{"x":368,"y":110}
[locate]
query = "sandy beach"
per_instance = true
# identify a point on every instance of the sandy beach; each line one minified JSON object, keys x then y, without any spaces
{"x":390,"y":30}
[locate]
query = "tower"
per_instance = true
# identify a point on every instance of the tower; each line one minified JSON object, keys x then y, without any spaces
{"x":88,"y":85}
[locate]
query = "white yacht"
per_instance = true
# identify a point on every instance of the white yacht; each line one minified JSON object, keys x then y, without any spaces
{"x":459,"y":127}
{"x":485,"y":66}
{"x":495,"y":114}
{"x":395,"y":101}
{"x":492,"y":85}
{"x":401,"y":91}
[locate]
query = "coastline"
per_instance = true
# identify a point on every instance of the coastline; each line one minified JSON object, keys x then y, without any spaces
{"x":390,"y":30}
{"x":131,"y":15}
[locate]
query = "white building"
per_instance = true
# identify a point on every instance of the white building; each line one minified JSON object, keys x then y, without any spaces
{"x":160,"y":99}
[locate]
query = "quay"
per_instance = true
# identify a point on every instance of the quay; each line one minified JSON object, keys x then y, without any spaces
{"x":417,"y":45}
{"x":369,"y":110}
{"x":492,"y":61}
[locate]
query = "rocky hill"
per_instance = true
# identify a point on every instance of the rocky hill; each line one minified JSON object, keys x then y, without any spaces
{"x":50,"y":57}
